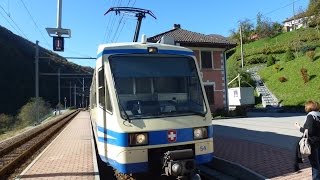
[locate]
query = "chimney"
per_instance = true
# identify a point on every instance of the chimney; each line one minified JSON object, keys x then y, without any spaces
{"x":176,"y":26}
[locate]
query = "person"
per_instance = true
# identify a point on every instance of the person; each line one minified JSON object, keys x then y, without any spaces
{"x":312,"y":123}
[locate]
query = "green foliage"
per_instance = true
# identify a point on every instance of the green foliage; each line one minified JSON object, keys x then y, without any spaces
{"x":294,"y":91}
{"x":17,"y":72}
{"x":289,"y":56}
{"x":6,"y":122}
{"x":247,"y":29}
{"x":314,"y":10}
{"x":271,"y":61}
{"x":27,"y":114}
{"x":256,"y":59}
{"x":307,"y":48}
{"x":266,"y":28}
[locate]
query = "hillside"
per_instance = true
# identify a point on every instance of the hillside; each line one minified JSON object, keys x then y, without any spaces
{"x":294,"y":91}
{"x":17,"y":72}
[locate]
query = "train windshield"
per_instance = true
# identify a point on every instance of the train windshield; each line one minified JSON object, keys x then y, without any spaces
{"x":157,"y":86}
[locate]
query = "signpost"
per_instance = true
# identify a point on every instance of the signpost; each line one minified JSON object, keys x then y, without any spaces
{"x":59,"y":33}
{"x":65,"y":103}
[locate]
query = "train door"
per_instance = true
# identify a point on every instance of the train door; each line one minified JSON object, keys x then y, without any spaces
{"x":101,"y":125}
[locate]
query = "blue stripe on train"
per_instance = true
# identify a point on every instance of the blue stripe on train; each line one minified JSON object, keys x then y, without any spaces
{"x":143,"y":51}
{"x":143,"y":166}
{"x":155,"y":137}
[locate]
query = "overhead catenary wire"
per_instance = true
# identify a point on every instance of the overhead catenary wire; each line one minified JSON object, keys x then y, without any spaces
{"x":125,"y":20}
{"x":270,"y":12}
{"x":22,"y":33}
{"x":34,"y":22}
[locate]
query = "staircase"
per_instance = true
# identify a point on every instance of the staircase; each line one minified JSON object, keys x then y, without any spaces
{"x":268,"y":99}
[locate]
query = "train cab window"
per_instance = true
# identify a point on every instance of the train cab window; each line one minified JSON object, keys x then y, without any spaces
{"x":125,"y":85}
{"x":101,"y":89}
{"x":143,"y":85}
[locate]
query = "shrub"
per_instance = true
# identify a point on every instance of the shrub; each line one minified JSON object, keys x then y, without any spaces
{"x":283,"y":79}
{"x":289,"y":56}
{"x":304,"y":74}
{"x":27,"y":114}
{"x":6,"y":122}
{"x":277,"y":67}
{"x":271,"y":60}
{"x":307,"y":48}
{"x":310,"y":55}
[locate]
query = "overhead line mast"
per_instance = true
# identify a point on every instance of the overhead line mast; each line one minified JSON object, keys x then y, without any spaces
{"x":139,"y":13}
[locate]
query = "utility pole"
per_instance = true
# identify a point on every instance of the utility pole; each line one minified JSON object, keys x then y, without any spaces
{"x":37,"y":80}
{"x":241,"y":46}
{"x":59,"y":15}
{"x":82,"y":92}
{"x":70,"y":94}
{"x":59,"y":86}
{"x":294,"y":16}
{"x":75,"y":96}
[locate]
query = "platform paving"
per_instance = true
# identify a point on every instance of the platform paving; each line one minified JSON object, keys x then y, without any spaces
{"x":69,"y":156}
{"x":263,"y":143}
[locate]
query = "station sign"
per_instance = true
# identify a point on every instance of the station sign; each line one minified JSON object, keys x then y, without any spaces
{"x":58,"y":43}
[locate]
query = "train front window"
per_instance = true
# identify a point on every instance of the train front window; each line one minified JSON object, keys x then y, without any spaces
{"x":157,"y":86}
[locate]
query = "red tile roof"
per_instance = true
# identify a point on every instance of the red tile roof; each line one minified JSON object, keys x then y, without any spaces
{"x":184,"y":36}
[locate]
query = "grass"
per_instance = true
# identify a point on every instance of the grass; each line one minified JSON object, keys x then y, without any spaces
{"x":19,"y":130}
{"x":294,"y":91}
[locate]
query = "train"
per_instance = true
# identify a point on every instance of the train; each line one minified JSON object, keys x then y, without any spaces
{"x":149,"y":110}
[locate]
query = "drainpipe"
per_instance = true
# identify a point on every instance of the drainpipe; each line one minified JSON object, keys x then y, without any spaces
{"x":225,"y":79}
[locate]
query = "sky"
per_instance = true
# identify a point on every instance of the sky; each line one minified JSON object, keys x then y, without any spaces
{"x":90,"y":27}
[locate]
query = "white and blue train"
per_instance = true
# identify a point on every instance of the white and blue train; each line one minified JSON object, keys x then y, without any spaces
{"x":149,"y":109}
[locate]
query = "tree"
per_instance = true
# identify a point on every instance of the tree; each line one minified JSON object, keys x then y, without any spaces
{"x":247,"y":30}
{"x":266,"y":28}
{"x":27,"y":114}
{"x":313,"y":11}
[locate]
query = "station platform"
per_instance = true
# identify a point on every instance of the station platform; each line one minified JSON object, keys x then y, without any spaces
{"x":70,"y":155}
{"x":269,"y":161}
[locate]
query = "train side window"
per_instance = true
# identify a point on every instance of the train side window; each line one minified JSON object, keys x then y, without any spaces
{"x":101,"y":89}
{"x":108,"y":101}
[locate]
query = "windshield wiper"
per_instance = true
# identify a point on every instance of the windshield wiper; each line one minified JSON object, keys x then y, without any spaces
{"x":197,"y":113}
{"x":124,"y":113}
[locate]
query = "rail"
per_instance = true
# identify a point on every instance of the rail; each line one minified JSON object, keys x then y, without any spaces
{"x":13,"y":154}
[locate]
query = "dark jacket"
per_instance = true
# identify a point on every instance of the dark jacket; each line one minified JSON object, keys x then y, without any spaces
{"x":313,"y":125}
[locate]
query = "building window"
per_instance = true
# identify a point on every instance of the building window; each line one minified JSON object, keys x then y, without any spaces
{"x":206,"y":59}
{"x":210,"y":93}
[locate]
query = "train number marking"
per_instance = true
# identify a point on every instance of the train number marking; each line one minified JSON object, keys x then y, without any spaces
{"x":203,"y":148}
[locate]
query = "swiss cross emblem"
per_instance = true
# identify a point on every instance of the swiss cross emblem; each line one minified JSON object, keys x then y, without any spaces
{"x":172,"y":135}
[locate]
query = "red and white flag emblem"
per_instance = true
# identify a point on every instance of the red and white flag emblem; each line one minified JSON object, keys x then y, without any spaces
{"x":172,"y":135}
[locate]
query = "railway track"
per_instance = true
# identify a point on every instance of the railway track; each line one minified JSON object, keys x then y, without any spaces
{"x":15,"y":151}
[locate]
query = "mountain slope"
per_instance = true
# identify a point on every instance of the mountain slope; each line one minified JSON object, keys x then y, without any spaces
{"x":17,"y":72}
{"x":293,"y":92}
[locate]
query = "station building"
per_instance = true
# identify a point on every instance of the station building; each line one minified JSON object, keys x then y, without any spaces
{"x":210,"y":51}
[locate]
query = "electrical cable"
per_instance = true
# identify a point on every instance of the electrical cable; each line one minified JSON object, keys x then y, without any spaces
{"x":23,"y":34}
{"x":34,"y":22}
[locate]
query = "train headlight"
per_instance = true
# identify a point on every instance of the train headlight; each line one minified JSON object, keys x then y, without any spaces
{"x":200,"y":133}
{"x":138,"y":139}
